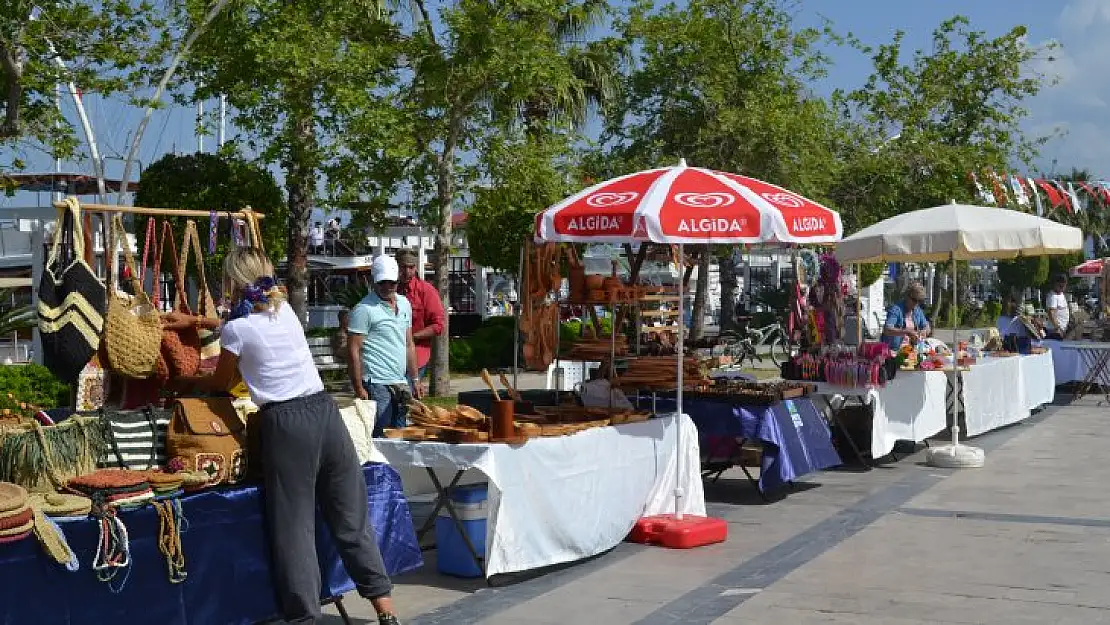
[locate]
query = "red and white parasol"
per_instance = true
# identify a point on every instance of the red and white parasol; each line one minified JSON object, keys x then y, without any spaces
{"x":688,"y":205}
{"x":1089,"y":269}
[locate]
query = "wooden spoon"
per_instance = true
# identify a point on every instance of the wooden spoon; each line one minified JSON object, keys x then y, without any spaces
{"x":512,"y":391}
{"x":489,"y":382}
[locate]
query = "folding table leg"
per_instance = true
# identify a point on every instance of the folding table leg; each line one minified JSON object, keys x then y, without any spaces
{"x":834,"y":414}
{"x":441,"y":499}
{"x":343,"y":611}
{"x":479,"y":560}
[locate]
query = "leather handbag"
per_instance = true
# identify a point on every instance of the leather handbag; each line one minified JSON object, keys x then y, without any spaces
{"x":207,"y":435}
{"x":137,"y":437}
{"x":72,"y":300}
{"x":180,"y":346}
{"x":206,"y":306}
{"x":132,"y":328}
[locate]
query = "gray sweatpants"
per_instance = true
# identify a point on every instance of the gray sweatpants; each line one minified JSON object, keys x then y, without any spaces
{"x":308,"y":458}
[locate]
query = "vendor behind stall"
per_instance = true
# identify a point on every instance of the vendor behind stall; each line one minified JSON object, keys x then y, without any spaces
{"x":1009,"y":322}
{"x":905,"y":319}
{"x":1056,"y":307}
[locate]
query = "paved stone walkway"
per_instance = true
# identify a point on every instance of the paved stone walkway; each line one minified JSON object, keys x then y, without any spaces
{"x":1024,"y":540}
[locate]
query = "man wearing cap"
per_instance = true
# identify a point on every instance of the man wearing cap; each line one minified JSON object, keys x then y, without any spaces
{"x":427,"y":309}
{"x":906,"y":320}
{"x":381,"y":352}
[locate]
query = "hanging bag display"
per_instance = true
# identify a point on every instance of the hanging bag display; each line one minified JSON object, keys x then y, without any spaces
{"x":206,"y":307}
{"x":180,"y":346}
{"x":132,"y":328}
{"x":72,"y":300}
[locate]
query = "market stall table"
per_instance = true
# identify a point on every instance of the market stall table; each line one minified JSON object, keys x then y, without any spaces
{"x":1068,"y":363}
{"x":909,"y":408}
{"x":226,"y":557}
{"x":794,"y":437}
{"x":1094,"y":357}
{"x":1000,"y":391}
{"x":560,"y":499}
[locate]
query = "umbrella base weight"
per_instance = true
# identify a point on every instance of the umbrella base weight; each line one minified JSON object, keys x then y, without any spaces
{"x":955,"y":457}
{"x":688,"y":532}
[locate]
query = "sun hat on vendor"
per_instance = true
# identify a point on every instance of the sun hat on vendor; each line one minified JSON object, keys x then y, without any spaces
{"x":384,"y":269}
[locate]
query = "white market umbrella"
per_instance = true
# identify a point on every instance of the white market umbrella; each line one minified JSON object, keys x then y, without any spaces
{"x":682,"y":204}
{"x":958,"y":232}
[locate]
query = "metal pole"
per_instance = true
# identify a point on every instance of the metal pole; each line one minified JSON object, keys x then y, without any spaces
{"x":516,"y":317}
{"x":221,"y":133}
{"x":200,"y":126}
{"x":58,"y":196}
{"x":679,"y":494}
{"x":955,"y":362}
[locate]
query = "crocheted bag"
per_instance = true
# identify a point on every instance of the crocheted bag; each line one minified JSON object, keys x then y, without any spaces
{"x":138,"y":438}
{"x":206,"y":434}
{"x":72,"y":300}
{"x":180,"y":346}
{"x":206,"y":307}
{"x":133,"y":328}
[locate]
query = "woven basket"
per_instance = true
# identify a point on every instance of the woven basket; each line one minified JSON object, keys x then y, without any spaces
{"x":132,"y":341}
{"x":43,"y":458}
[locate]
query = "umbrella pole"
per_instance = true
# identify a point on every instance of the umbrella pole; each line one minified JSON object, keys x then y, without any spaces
{"x":516,"y":316}
{"x":678,"y":492}
{"x":956,"y":357}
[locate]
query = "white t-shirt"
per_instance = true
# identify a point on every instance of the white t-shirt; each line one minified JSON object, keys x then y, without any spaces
{"x":274,"y":358}
{"x":1058,"y":302}
{"x":316,"y":236}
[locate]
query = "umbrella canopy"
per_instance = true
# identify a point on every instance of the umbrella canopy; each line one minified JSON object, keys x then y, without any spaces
{"x":960,"y":231}
{"x":1090,"y":269}
{"x":687,"y":205}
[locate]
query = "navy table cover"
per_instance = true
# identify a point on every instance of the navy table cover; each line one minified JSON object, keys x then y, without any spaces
{"x":226,"y":557}
{"x":796,"y":439}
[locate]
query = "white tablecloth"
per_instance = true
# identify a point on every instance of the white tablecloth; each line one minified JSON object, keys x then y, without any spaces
{"x":1067,"y":364}
{"x":909,"y":408}
{"x":561,"y":499}
{"x":1001,"y":391}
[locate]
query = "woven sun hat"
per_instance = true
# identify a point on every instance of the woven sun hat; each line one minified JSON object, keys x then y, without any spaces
{"x":61,"y":504}
{"x":13,"y":497}
{"x":195,"y":479}
{"x":21,"y":531}
{"x":109,"y":479}
{"x":160,"y":481}
{"x":18,"y":519}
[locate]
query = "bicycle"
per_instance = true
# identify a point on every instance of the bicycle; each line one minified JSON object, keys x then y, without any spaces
{"x":772,"y":336}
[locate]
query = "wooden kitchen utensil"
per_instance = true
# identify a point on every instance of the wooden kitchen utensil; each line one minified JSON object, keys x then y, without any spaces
{"x":489,"y":382}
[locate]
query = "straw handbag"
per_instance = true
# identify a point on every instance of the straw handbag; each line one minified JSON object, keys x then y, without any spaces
{"x":42,"y":458}
{"x":72,"y":300}
{"x":132,"y":329}
{"x":206,"y":307}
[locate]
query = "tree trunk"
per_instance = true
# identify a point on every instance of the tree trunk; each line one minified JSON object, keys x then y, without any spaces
{"x":300,"y":184}
{"x":445,"y":194}
{"x":727,"y":274}
{"x":701,"y":293}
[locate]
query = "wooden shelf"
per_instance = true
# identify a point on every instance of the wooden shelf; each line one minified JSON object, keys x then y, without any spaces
{"x":659,"y":298}
{"x":658,"y":313}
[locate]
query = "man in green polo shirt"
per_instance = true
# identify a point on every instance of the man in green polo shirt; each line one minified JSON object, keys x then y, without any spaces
{"x":381,"y":352}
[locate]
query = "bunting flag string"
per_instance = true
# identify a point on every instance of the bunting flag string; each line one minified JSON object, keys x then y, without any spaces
{"x":1040,"y":194}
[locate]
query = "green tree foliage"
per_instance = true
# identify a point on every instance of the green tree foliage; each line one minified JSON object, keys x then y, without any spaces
{"x":1028,"y":272}
{"x":926,"y":123}
{"x":303,"y":78}
{"x":215,"y":182}
{"x":105,"y":46}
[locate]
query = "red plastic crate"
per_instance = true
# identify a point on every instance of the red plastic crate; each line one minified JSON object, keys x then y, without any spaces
{"x":687,"y":533}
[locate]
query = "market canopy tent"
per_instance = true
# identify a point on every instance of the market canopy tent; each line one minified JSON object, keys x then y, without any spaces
{"x":1090,"y":269}
{"x":958,"y":232}
{"x":682,"y":204}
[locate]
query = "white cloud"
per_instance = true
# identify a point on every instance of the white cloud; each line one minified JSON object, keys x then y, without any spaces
{"x":1078,"y":99}
{"x":1080,"y":15}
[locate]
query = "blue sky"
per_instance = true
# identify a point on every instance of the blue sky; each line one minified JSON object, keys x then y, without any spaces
{"x":1077,"y":105}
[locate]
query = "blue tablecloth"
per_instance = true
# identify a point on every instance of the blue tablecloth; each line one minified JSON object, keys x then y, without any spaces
{"x":225,"y":555}
{"x":795,"y":437}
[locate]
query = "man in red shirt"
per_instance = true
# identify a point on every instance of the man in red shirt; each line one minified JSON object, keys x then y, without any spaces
{"x":427,"y":308}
